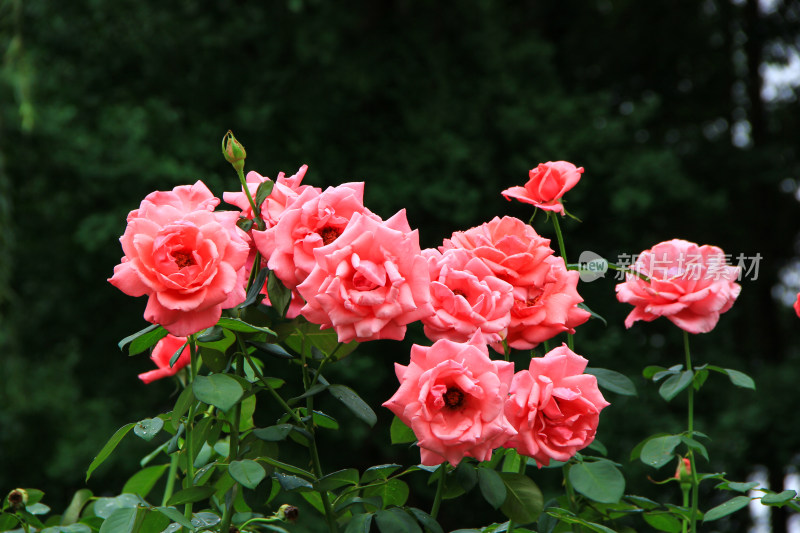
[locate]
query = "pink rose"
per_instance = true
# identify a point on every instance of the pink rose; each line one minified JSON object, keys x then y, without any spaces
{"x":797,"y":305}
{"x":451,"y":395}
{"x":284,"y":192}
{"x":314,"y":219}
{"x":690,"y":285}
{"x":544,"y":310}
{"x":547,"y":183}
{"x":508,"y":246}
{"x":188,"y":259}
{"x":162,"y":354}
{"x":554,"y":407}
{"x":369,"y":282}
{"x":466,"y":297}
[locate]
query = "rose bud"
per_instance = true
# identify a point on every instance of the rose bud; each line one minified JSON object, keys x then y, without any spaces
{"x":18,"y":499}
{"x":233,"y":151}
{"x":288,"y":513}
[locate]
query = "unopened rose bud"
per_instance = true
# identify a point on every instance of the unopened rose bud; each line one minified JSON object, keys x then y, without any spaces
{"x":18,"y":499}
{"x":288,"y":513}
{"x":684,"y":470}
{"x":233,"y":151}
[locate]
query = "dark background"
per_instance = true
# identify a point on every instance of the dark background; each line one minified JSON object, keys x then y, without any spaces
{"x":437,"y":107}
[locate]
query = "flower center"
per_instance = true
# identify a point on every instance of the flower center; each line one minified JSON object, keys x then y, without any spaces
{"x":183,"y":259}
{"x":458,"y":292}
{"x":453,"y":398}
{"x":329,"y":234}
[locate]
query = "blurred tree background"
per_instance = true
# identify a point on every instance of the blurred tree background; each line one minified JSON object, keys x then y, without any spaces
{"x":677,"y":110}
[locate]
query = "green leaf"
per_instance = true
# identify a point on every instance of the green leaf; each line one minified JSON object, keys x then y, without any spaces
{"x":671,"y":371}
{"x":396,"y":521}
{"x":336,"y":480}
{"x":779,"y":498}
{"x":378,"y":472}
{"x":108,"y":448}
{"x":663,"y":521}
{"x":695,"y":446}
{"x":352,"y":401}
{"x":613,"y":381}
{"x":287,"y":467}
{"x":600,"y":481}
{"x":737,"y":486}
{"x":219,"y":390}
{"x":279,"y":295}
{"x":244,"y":223}
{"x":290,"y":483}
{"x":262,"y":192}
{"x":740,"y":379}
{"x":316,"y":389}
{"x":598,"y":446}
{"x":126,"y":520}
{"x":659,"y":451}
{"x":275,"y":350}
{"x":8,"y":521}
{"x":401,"y":433}
{"x":700,"y":377}
{"x":182,"y":404}
{"x":274,"y":433}
{"x":524,"y":500}
{"x":37,"y":509}
{"x":360,"y":523}
{"x":650,"y":371}
{"x":190,"y":495}
{"x":675,"y":384}
{"x":594,"y":315}
{"x":254,"y":292}
{"x":428,"y":522}
{"x":142,"y":340}
{"x":492,"y":487}
{"x":247,"y":472}
{"x":176,"y":516}
{"x":724,"y":509}
{"x":393,"y":492}
{"x":236,"y":324}
{"x":324,"y":421}
{"x":143,"y":481}
{"x":148,"y":428}
{"x":466,"y":475}
{"x":73,"y":512}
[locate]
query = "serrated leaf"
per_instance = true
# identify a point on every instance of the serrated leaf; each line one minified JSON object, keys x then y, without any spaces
{"x":740,"y":379}
{"x":353,"y":401}
{"x":401,"y":433}
{"x":219,"y":390}
{"x":393,"y":492}
{"x":600,"y":481}
{"x":148,"y":428}
{"x":360,"y":523}
{"x":778,"y":498}
{"x":143,"y":481}
{"x":613,"y":381}
{"x":247,"y":472}
{"x":724,"y":509}
{"x":524,"y":500}
{"x":336,"y":480}
{"x":108,"y":448}
{"x":659,"y":451}
{"x":675,"y":384}
{"x":492,"y":487}
{"x":143,"y":339}
{"x":396,"y":521}
{"x":190,"y":495}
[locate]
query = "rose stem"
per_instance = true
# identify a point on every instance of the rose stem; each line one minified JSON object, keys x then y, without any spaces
{"x":563,"y":249}
{"x":691,"y":434}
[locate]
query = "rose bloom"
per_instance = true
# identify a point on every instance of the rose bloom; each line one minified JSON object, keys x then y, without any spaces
{"x":369,"y":282}
{"x":690,"y":285}
{"x":546,"y":184}
{"x":542,"y":311}
{"x":162,"y":354}
{"x":554,"y":407}
{"x":509,"y":247}
{"x":466,"y":297}
{"x":451,"y":395}
{"x":797,"y":305}
{"x":283,"y":194}
{"x":313,"y":220}
{"x":188,"y":259}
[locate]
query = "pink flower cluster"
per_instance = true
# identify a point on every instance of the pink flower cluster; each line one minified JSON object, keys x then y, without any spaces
{"x":460,"y":403}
